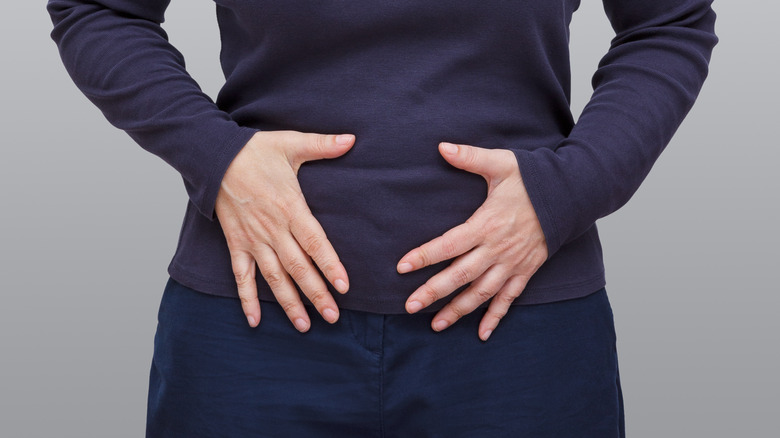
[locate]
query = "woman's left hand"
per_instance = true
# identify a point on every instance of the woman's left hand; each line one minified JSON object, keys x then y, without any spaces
{"x":498,"y":248}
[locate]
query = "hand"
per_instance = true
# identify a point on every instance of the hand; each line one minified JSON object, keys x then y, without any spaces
{"x":499,"y":247}
{"x":268,"y":224}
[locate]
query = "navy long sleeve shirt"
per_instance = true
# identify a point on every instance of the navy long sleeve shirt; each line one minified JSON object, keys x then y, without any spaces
{"x":402,"y":76}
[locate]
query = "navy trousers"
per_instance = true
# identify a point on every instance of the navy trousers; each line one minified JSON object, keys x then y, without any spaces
{"x":549,"y":370}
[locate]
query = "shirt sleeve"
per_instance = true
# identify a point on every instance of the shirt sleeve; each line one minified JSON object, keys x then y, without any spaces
{"x":643,"y":88}
{"x":120,"y":58}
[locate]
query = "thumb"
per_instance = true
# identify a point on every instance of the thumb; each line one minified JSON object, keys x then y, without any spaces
{"x":319,"y":146}
{"x":490,"y":163}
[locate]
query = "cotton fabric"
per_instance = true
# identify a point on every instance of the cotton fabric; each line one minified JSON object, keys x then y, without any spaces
{"x":549,"y":370}
{"x":402,"y":76}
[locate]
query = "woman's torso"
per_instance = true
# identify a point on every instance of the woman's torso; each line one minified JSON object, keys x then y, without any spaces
{"x":402,"y":76}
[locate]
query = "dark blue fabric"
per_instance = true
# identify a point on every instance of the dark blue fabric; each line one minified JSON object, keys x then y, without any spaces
{"x":549,"y":370}
{"x":401,"y":75}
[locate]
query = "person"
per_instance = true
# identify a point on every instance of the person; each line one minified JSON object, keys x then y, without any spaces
{"x":401,"y":190}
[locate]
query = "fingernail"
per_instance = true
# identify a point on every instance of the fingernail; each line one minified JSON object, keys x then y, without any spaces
{"x":301,"y":325}
{"x":403,"y":268}
{"x":449,"y":148}
{"x":344,"y":139}
{"x":414,"y":306}
{"x":486,"y":335}
{"x":330,"y":315}
{"x":440,"y":325}
{"x":341,"y":285}
{"x":251,"y":319}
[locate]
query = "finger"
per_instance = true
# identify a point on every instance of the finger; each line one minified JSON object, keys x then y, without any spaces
{"x":302,"y":147}
{"x":490,"y":163}
{"x":481,"y":290}
{"x":300,"y":268}
{"x":244,"y":271}
{"x":500,"y":305}
{"x":454,"y":242}
{"x":281,"y":285}
{"x":461,"y":271}
{"x":311,"y":237}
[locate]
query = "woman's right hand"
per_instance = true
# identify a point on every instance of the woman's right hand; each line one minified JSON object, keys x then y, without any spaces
{"x":268,"y":224}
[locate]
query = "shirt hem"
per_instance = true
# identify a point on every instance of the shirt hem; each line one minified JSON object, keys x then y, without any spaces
{"x":537,"y":295}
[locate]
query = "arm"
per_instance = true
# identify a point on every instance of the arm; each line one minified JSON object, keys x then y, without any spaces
{"x":120,"y":58}
{"x":643,"y":88}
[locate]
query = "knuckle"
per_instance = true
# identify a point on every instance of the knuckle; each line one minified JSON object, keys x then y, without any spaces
{"x":491,"y":252}
{"x":297,"y":269}
{"x":461,"y":275}
{"x":492,"y":225}
{"x":250,"y":240}
{"x":448,"y":248}
{"x":471,"y":156}
{"x":508,"y":298}
{"x":317,"y":298}
{"x":273,"y":278}
{"x":429,"y":293}
{"x":289,"y":306}
{"x":264,"y":222}
{"x":521,"y":281}
{"x":320,"y":142}
{"x":329,"y":267}
{"x":483,"y":294}
{"x":504,"y":244}
{"x":458,"y":311}
{"x":243,"y":277}
{"x":496,"y":314}
{"x":313,"y":245}
{"x":539,"y":257}
{"x":424,"y":257}
{"x":245,"y":300}
{"x":233,"y":240}
{"x":286,"y":210}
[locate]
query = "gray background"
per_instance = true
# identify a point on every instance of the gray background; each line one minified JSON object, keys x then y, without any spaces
{"x":90,"y":220}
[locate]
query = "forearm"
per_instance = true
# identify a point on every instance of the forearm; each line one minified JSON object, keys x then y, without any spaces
{"x":120,"y":58}
{"x":643,"y":89}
